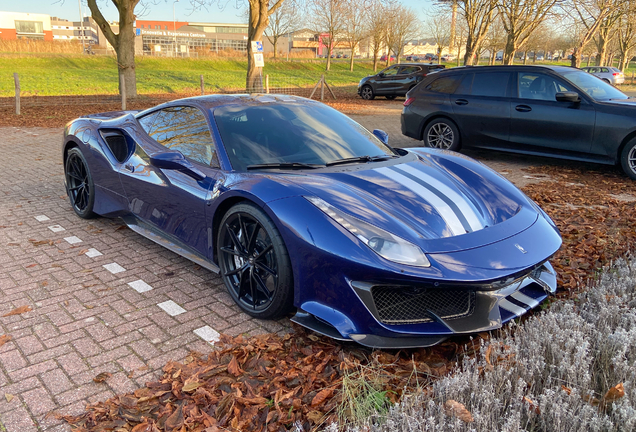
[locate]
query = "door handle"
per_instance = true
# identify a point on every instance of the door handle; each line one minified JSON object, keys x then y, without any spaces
{"x":523,"y":108}
{"x":129,"y":167}
{"x":461,"y":102}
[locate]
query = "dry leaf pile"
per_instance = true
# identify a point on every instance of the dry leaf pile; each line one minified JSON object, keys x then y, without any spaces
{"x":595,"y":216}
{"x":264,"y":383}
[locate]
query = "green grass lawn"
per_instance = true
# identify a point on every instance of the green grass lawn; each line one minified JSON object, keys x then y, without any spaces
{"x":87,"y":75}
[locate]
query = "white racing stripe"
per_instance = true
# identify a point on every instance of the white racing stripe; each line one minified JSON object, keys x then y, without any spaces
{"x":466,"y":207}
{"x":444,"y":210}
{"x":519,"y":296}
{"x":510,"y":306}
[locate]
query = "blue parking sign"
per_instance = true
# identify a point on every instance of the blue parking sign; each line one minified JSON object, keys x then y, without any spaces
{"x":257,"y":46}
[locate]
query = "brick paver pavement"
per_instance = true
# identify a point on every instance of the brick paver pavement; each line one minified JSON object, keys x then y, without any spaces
{"x":103,"y":299}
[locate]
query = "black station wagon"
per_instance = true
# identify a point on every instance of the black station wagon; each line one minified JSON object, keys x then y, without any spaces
{"x":395,"y":80}
{"x":555,"y":111}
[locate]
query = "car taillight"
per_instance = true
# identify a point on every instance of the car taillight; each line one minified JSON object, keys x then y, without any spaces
{"x":616,"y":74}
{"x":409,"y":101}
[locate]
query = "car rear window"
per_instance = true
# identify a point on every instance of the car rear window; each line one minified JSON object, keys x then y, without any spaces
{"x":447,"y":84}
{"x":492,"y":84}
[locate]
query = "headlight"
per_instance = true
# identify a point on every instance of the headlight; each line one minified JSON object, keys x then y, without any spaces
{"x":385,"y":244}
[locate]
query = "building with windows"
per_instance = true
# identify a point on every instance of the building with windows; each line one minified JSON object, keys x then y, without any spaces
{"x":183,"y":39}
{"x":85,"y":31}
{"x":19,"y":25}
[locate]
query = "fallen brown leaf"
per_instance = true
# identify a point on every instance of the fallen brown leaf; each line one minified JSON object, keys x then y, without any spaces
{"x":100,"y":378}
{"x":4,"y":339}
{"x":9,"y":397}
{"x":18,"y":311}
{"x":321,"y":396}
{"x":456,"y":409}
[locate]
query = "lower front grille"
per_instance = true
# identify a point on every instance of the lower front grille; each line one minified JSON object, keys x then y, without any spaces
{"x":410,"y":305}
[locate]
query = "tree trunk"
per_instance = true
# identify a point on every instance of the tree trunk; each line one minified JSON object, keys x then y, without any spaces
{"x":123,"y":42}
{"x":258,"y":22}
{"x":509,"y":51}
{"x":469,"y":56}
{"x":576,"y":58}
{"x":375,"y":60}
{"x":126,"y":53}
{"x":329,"y":48}
{"x":525,"y":57}
{"x":351,"y":60}
{"x":275,"y":37}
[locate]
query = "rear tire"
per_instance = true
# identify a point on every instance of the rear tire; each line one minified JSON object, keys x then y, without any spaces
{"x":79,"y":184}
{"x":442,"y":134}
{"x":607,"y":81}
{"x":628,"y":159}
{"x":367,"y":93}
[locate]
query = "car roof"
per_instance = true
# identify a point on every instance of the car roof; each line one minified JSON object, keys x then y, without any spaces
{"x":217,"y":100}
{"x":555,"y":68}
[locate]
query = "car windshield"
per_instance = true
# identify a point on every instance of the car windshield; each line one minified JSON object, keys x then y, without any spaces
{"x":288,"y":133}
{"x":596,"y":88}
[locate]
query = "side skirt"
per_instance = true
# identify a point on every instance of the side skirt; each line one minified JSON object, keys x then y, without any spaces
{"x":168,"y":242}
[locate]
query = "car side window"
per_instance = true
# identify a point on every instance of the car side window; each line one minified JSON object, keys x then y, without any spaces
{"x":604,"y":70}
{"x":184,"y":129}
{"x":538,"y":86}
{"x":446,"y":84}
{"x":408,"y":70}
{"x":493,"y":84}
{"x":392,"y":71}
{"x":147,"y":122}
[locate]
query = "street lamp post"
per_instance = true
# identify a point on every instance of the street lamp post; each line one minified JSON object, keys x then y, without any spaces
{"x":174,"y":26}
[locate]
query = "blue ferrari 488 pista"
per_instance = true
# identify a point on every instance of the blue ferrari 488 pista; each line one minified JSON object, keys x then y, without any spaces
{"x":300,"y":209}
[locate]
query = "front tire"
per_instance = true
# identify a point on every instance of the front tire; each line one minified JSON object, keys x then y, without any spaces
{"x":79,"y":184}
{"x":628,"y":159}
{"x":254,"y":262}
{"x":367,"y":93}
{"x":441,"y":134}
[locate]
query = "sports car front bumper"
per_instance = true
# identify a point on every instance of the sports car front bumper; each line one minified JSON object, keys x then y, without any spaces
{"x":482,"y":309}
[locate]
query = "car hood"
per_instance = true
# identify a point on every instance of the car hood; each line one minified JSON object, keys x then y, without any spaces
{"x":622,"y":102}
{"x":442,"y":201}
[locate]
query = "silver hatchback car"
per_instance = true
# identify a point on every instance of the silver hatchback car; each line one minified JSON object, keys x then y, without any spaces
{"x":610,"y":75}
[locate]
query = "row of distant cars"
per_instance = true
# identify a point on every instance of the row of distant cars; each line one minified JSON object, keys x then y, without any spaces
{"x":555,"y":111}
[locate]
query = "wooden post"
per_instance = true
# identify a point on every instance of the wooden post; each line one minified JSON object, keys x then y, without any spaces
{"x":632,"y":77}
{"x":322,"y":87}
{"x":16,"y":80}
{"x":122,"y":89}
{"x":202,"y":85}
{"x":267,"y":83}
{"x":329,"y":88}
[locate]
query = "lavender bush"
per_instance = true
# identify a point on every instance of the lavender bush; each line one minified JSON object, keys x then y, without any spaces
{"x":549,"y":377}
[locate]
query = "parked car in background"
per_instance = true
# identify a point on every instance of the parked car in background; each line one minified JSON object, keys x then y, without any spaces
{"x":448,"y":57}
{"x":499,"y":57}
{"x":610,"y":75}
{"x":395,"y":80}
{"x":540,"y":58}
{"x":555,"y":111}
{"x":383,"y":58}
{"x":412,"y":58}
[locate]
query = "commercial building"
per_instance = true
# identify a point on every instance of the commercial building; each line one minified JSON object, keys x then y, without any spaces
{"x":168,"y":38}
{"x":18,"y":25}
{"x":85,"y":31}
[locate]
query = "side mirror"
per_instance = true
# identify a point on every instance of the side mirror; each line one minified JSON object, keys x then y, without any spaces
{"x":382,"y":136}
{"x":381,"y":74}
{"x":568,"y":96}
{"x":176,"y":161}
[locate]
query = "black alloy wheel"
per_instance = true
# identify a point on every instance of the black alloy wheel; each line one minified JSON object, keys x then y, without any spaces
{"x":628,"y":159}
{"x":441,"y":134}
{"x":367,"y":93}
{"x":254,"y":262}
{"x":79,"y":184}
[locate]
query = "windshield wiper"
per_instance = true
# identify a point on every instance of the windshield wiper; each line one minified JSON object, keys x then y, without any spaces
{"x":366,"y":158}
{"x":285,"y":165}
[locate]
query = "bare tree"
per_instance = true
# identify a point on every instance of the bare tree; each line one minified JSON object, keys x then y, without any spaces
{"x":328,"y":16}
{"x":355,"y":26}
{"x":377,"y":14}
{"x":402,"y":26}
{"x":437,"y":27}
{"x":606,"y":33}
{"x":123,"y":42}
{"x":281,"y":22}
{"x":520,"y":18}
{"x":626,"y":38}
{"x":588,"y":16}
{"x":478,"y":15}
{"x":495,"y":40}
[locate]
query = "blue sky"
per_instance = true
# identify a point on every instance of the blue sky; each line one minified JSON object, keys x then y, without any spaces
{"x":231,"y":12}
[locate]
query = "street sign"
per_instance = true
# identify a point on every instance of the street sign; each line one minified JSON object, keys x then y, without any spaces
{"x":259,"y":61}
{"x":257,"y":46}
